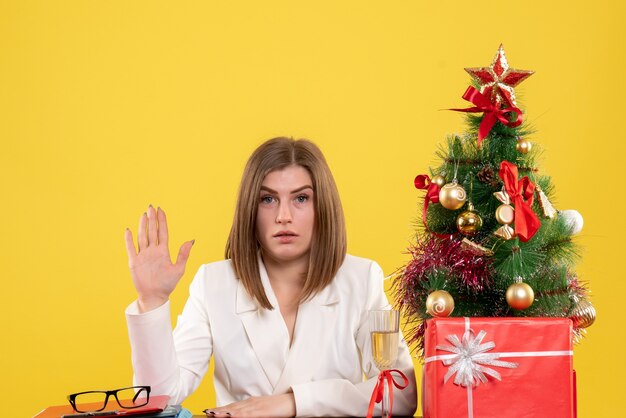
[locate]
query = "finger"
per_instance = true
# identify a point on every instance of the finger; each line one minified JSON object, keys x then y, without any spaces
{"x":152,"y":226}
{"x":142,"y":233}
{"x":183,"y":253}
{"x":224,"y":411}
{"x":130,"y":245}
{"x":162,"y":227}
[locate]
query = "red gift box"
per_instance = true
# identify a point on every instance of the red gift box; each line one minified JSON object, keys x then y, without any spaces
{"x":498,"y":367}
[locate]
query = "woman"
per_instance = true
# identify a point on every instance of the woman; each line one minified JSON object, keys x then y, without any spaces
{"x":284,"y":316}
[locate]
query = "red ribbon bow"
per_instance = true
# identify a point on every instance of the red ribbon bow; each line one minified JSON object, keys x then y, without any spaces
{"x":492,"y":112}
{"x":521,"y":193}
{"x":432,"y":194}
{"x":377,"y":396}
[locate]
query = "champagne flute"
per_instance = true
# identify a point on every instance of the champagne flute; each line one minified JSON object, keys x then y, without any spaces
{"x":385,"y":333}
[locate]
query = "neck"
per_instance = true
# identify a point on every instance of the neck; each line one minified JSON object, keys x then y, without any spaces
{"x":286,"y":273}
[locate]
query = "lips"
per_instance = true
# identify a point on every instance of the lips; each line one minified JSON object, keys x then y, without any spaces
{"x":285,"y":237}
{"x":285,"y":234}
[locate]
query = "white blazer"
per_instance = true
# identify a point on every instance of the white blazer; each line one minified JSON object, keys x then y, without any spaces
{"x":329,"y":366}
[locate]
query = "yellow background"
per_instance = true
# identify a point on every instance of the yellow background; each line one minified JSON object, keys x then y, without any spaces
{"x":106,"y":107}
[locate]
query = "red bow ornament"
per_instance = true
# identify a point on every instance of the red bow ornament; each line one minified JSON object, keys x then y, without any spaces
{"x":521,"y":194}
{"x":423,"y":182}
{"x":492,"y":112}
{"x":386,"y":377}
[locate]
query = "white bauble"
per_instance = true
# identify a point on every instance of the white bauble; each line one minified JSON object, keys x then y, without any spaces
{"x":574,"y":219}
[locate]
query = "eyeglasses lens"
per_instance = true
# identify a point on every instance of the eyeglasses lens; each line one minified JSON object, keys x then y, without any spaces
{"x":90,"y":401}
{"x":128,"y":398}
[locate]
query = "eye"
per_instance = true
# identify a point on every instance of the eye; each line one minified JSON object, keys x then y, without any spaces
{"x":302,"y":198}
{"x":267,"y":199}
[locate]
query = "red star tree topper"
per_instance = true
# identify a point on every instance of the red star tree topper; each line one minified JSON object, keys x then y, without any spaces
{"x":497,"y":81}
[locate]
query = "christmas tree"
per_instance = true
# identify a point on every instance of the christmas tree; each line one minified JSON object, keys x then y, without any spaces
{"x":489,"y":242}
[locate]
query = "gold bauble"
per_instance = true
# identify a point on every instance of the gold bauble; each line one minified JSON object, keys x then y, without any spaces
{"x":439,"y":303}
{"x":452,"y":196}
{"x":505,"y":214}
{"x":439,"y":180}
{"x":519,"y":295}
{"x":583,"y":315}
{"x":469,"y":222}
{"x":523,"y":146}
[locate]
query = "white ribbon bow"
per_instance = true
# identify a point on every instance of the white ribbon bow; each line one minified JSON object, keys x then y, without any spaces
{"x":469,"y":357}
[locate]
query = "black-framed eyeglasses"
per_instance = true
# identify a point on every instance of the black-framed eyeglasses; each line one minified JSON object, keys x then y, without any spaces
{"x":96,"y":400}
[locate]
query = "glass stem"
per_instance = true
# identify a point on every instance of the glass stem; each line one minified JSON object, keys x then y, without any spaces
{"x":385,"y":402}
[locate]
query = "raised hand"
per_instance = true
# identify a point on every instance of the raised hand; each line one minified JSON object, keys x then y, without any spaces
{"x":154,"y":275}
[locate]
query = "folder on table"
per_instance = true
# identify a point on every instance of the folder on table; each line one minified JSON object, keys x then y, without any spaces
{"x":154,"y":405}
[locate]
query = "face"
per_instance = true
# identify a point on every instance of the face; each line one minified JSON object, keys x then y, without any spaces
{"x":286,"y":214}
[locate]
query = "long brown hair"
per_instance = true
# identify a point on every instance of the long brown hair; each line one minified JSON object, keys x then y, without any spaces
{"x":328,"y":245}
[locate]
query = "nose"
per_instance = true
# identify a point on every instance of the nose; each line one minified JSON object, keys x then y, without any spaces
{"x":284,"y":213}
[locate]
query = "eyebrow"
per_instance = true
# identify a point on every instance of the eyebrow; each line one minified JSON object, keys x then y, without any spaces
{"x":299,"y":189}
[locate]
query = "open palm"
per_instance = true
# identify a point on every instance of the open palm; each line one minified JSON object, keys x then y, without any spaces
{"x":154,"y":275}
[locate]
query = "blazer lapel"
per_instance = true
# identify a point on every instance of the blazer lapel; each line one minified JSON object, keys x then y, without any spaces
{"x":313,"y":331}
{"x":266,"y":329}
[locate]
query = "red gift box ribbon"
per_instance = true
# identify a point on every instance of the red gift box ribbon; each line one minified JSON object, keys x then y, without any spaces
{"x":449,"y":360}
{"x":385,"y":377}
